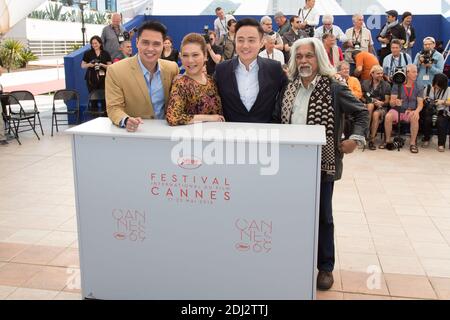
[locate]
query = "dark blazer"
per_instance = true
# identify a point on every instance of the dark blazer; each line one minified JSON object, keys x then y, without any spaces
{"x":271,"y":81}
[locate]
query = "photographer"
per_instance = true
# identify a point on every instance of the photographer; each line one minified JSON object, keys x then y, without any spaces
{"x":436,"y":102}
{"x":229,"y":46}
{"x":214,"y":52}
{"x":114,"y":34}
{"x":358,"y":38}
{"x":376,"y":96}
{"x":429,"y":62}
{"x":407,"y":103}
{"x":392,"y":30}
{"x":96,"y":61}
{"x":309,"y":17}
{"x":397,"y":60}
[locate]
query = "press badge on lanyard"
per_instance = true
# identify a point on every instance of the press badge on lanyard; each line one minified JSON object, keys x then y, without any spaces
{"x":121,"y":38}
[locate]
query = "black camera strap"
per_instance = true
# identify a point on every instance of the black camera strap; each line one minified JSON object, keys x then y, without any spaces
{"x":355,"y":38}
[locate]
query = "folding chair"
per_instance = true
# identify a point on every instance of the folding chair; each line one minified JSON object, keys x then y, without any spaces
{"x":16,"y":114}
{"x":67,"y":96}
{"x":26,"y":98}
{"x":93,"y":109}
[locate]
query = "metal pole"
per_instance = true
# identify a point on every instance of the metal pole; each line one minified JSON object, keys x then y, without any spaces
{"x":83,"y":29}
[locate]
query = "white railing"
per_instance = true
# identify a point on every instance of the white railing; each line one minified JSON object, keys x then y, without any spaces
{"x":47,"y":48}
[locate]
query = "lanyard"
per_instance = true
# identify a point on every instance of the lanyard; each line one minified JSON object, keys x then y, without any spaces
{"x":354,"y":37}
{"x":224,"y":25}
{"x":399,"y":62}
{"x":303,"y":15}
{"x":410,"y":93}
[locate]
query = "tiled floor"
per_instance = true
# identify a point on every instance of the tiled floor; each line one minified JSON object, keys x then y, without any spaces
{"x":391,"y":209}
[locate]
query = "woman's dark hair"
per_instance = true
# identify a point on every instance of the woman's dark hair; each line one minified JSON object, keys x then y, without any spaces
{"x":405,"y":15}
{"x":230,"y":22}
{"x":153,"y":26}
{"x":249,"y":22}
{"x":440,"y":80}
{"x":99,"y":40}
{"x":168,"y":38}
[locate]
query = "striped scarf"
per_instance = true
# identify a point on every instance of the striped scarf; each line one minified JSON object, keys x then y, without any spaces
{"x":320,"y":112}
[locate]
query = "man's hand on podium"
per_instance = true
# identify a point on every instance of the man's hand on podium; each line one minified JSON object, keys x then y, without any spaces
{"x":133,"y":124}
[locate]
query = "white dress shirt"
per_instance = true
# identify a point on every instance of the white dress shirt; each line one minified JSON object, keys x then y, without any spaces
{"x":301,"y":103}
{"x":311,"y":17}
{"x":336,"y":31}
{"x":276,"y":55}
{"x":248,"y":84}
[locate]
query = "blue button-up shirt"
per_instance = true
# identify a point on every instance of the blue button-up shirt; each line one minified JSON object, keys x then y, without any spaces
{"x":155,"y":88}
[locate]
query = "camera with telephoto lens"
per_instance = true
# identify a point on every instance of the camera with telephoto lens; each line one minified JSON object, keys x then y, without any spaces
{"x":396,"y":144}
{"x":427,"y":57}
{"x":399,"y":75}
{"x":206,"y":34}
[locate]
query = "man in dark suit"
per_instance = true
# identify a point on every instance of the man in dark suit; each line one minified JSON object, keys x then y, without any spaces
{"x":249,"y":85}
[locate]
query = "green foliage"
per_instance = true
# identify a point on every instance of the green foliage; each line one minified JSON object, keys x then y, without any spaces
{"x":10,"y":53}
{"x":54,"y":12}
{"x":26,"y":56}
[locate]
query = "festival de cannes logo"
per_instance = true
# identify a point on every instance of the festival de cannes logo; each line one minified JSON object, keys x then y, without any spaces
{"x":189,"y":163}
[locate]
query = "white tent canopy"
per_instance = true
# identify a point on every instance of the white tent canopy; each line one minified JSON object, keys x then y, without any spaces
{"x":11,"y":12}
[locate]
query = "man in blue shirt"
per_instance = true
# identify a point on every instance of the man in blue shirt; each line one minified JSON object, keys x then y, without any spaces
{"x":429,"y":62}
{"x":394,"y":60}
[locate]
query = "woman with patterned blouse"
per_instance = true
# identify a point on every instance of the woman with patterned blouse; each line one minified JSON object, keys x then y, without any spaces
{"x":194,"y":96}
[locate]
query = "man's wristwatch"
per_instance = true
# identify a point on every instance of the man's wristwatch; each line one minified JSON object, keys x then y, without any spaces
{"x":125,"y":122}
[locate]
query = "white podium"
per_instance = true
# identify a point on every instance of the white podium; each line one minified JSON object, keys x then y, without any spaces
{"x":152,"y":225}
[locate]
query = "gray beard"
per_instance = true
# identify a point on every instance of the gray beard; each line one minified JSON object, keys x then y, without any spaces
{"x":305,"y":73}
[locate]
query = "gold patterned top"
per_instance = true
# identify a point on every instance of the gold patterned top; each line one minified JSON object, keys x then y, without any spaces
{"x":189,"y":98}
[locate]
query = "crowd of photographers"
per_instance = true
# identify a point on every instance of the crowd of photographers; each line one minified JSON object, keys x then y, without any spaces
{"x":395,"y":87}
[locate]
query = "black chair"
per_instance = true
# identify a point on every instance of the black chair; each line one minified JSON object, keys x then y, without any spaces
{"x":16,"y":116}
{"x":67,"y":96}
{"x":24,"y":97}
{"x":96,"y":97}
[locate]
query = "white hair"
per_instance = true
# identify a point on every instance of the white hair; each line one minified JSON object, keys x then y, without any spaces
{"x":328,"y":17}
{"x":429,"y":39}
{"x":325,"y":67}
{"x":342,"y":64}
{"x":357,"y":15}
{"x":266,"y":18}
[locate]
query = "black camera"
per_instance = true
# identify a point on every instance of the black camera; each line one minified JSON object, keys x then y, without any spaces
{"x":356,"y":45}
{"x":206,"y":34}
{"x":368,"y":97}
{"x":397,"y":143}
{"x":427,"y":57}
{"x":126,"y":36}
{"x":399,"y":75}
{"x":96,"y":64}
{"x":430,"y":105}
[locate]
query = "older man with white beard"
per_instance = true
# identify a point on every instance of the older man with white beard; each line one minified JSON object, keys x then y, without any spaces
{"x":314,"y":97}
